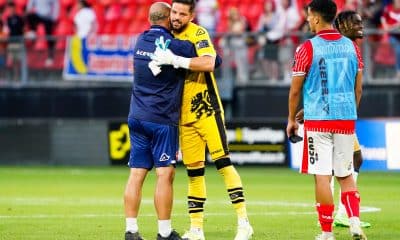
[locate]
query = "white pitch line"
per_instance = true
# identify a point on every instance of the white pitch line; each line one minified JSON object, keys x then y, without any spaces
{"x":114,"y":201}
{"x":75,"y":216}
{"x":143,"y":215}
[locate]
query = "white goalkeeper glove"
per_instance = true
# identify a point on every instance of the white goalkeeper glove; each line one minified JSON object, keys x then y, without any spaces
{"x":167,"y":57}
{"x":154,"y":67}
{"x":164,"y":56}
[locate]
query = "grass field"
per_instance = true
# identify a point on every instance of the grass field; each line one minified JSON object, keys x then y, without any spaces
{"x":86,"y":203}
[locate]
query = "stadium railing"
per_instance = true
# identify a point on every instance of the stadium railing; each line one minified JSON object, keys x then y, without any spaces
{"x":27,"y":63}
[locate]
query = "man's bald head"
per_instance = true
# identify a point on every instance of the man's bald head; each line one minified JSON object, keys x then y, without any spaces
{"x":159,"y":13}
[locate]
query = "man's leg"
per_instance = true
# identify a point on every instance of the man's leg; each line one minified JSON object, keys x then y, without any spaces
{"x":341,"y":218}
{"x":325,"y":206}
{"x":132,"y":198}
{"x":343,"y":168}
{"x":317,"y":160}
{"x":351,"y":200}
{"x":196,"y":199}
{"x":163,"y":199}
{"x":193,"y":154}
{"x":234,"y":186}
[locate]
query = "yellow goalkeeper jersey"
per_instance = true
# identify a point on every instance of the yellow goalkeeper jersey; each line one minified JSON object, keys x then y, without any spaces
{"x":200,"y":93}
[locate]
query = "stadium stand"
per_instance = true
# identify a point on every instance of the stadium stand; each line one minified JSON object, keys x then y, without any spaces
{"x":130,"y":17}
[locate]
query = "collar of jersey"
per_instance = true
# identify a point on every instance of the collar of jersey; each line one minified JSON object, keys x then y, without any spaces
{"x":160,"y":28}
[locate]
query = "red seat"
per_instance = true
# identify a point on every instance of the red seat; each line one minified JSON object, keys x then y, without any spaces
{"x":20,"y":5}
{"x":65,"y":27}
{"x":129,"y":12}
{"x":113,"y":13}
{"x":122,"y":27}
{"x":106,"y":2}
{"x":137,"y":27}
{"x":127,"y":2}
{"x":66,"y":3}
{"x":41,"y":42}
{"x":143,"y":2}
{"x":141,"y":13}
{"x":110,"y":27}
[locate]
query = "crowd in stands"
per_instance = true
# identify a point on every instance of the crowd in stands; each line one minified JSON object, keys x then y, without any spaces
{"x":44,"y":24}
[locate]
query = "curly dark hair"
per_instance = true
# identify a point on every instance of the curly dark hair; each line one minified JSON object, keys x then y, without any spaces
{"x":344,"y":18}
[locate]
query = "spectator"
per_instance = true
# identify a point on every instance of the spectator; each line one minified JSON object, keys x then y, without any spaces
{"x":85,"y":20}
{"x":391,"y":23}
{"x":3,"y":49}
{"x":289,"y":20}
{"x":43,"y":12}
{"x":206,"y":11}
{"x":16,"y":47}
{"x":266,"y":22}
{"x":237,"y":27}
{"x":286,"y":19}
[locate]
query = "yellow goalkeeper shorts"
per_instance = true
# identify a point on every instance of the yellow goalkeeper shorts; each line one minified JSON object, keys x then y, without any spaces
{"x":208,"y":132}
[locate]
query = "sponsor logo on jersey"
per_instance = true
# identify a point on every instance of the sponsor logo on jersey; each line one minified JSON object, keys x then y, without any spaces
{"x":143,"y":53}
{"x":202,"y":44}
{"x":200,"y":32}
{"x":164,"y":157}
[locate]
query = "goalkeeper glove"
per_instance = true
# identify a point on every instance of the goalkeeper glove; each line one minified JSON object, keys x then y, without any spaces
{"x":167,"y":57}
{"x":160,"y":43}
{"x":154,"y":67}
{"x":164,"y":56}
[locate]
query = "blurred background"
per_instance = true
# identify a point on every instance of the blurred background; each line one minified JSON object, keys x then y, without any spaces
{"x":66,"y":76}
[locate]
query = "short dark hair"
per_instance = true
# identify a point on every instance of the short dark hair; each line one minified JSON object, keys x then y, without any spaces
{"x":326,"y":8}
{"x":191,"y":3}
{"x":85,"y":3}
{"x":344,"y":16}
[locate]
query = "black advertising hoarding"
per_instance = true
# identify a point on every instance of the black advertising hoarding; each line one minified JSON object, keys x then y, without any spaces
{"x":257,"y":143}
{"x":249,"y":143}
{"x":118,"y":143}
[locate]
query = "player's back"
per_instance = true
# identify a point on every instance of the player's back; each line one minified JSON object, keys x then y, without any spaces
{"x":155,"y":98}
{"x":331,"y":80}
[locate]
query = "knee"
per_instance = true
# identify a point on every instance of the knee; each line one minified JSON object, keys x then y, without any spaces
{"x":196,"y":172}
{"x":223,"y":162}
{"x":166,"y":174}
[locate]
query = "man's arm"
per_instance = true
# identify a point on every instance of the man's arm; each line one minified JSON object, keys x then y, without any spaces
{"x":202,"y":64}
{"x":294,"y":100}
{"x":358,"y":87}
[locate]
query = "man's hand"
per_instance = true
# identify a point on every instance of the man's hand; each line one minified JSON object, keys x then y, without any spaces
{"x":155,"y":69}
{"x":160,"y":43}
{"x":300,"y":116}
{"x":163,"y":56}
{"x":292,"y":128}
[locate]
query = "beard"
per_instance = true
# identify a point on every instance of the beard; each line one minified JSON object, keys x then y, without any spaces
{"x":178,"y":26}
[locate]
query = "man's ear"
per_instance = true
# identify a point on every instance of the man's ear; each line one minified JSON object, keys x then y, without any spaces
{"x":193,"y":16}
{"x":316,"y":19}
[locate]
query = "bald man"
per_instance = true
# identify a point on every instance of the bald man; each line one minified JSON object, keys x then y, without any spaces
{"x":153,"y":123}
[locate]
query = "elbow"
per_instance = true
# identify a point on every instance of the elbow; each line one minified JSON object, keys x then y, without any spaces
{"x":210,"y":67}
{"x":208,"y":64}
{"x":294,"y":94}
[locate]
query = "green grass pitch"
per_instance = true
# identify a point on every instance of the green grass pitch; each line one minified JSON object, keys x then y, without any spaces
{"x":86,"y":203}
